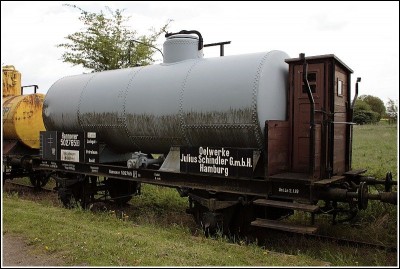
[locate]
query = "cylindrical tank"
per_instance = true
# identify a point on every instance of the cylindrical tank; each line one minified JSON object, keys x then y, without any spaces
{"x":221,"y":102}
{"x":22,"y":119}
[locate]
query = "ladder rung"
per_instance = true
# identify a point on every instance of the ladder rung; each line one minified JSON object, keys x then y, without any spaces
{"x":284,"y":226}
{"x":287,"y":205}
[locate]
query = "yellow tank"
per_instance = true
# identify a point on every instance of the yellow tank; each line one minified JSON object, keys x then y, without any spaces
{"x":11,"y":81}
{"x":22,"y":118}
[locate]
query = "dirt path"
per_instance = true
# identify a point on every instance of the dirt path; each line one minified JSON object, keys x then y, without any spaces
{"x":16,"y":252}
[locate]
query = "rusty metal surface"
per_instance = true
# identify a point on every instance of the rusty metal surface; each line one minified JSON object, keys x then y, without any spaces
{"x":22,"y":118}
{"x":216,"y":102}
{"x":11,"y":81}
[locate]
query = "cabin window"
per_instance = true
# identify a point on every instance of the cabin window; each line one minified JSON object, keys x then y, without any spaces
{"x":312,"y":80}
{"x":312,"y":77}
{"x":339,"y":87}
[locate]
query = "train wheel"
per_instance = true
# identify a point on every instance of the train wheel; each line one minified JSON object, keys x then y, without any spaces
{"x":241,"y":219}
{"x":210,"y":222}
{"x":39,"y":179}
{"x":214,"y":222}
{"x":121,"y":191}
{"x":67,"y":198}
{"x":79,"y":193}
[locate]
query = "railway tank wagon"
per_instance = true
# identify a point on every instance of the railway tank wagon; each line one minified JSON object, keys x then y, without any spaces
{"x":248,"y":138}
{"x":184,"y":101}
{"x":22,"y":123}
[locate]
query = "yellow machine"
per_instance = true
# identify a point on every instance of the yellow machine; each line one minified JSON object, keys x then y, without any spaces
{"x":22,"y":114}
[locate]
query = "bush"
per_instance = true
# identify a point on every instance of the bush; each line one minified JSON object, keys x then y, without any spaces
{"x":365,"y":117}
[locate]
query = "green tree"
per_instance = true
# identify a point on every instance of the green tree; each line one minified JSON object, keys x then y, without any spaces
{"x":106,"y":44}
{"x":376,"y":105}
{"x":391,"y":110}
{"x":361,"y":105}
{"x":363,"y":113}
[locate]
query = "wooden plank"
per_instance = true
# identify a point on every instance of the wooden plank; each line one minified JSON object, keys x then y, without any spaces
{"x":355,"y":172}
{"x":328,"y":181}
{"x":277,"y":146}
{"x":287,"y":205}
{"x":284,"y":226}
{"x":291,"y":176}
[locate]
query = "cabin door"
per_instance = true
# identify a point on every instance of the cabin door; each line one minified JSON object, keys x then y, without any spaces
{"x":301,"y":117}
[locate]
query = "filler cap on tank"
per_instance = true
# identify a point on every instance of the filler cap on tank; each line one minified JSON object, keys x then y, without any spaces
{"x":182,"y":46}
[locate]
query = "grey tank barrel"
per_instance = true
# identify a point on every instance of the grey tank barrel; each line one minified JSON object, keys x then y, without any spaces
{"x":186,"y":101}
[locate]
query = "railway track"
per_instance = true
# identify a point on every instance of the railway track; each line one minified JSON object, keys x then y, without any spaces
{"x":36,"y":189}
{"x":325,"y":238}
{"x":278,"y":235}
{"x":355,"y":243}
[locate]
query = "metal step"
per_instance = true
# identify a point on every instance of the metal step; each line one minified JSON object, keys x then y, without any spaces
{"x":284,"y":226}
{"x":287,"y":205}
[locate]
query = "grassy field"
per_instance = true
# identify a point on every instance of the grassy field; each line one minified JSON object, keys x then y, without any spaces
{"x":155,"y":231}
{"x":101,"y":239}
{"x":375,"y":148}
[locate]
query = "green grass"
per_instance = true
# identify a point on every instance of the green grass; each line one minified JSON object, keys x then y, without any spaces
{"x":100,"y":239}
{"x":375,"y":149}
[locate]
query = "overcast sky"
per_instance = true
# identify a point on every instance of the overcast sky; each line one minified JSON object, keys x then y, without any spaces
{"x":364,"y":35}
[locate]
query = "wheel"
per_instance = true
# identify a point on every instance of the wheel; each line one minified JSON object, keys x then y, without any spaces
{"x":39,"y":179}
{"x":241,"y":219}
{"x":121,"y":191}
{"x":210,"y":222}
{"x":67,"y":198}
{"x":225,"y":221}
{"x":79,"y":193}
